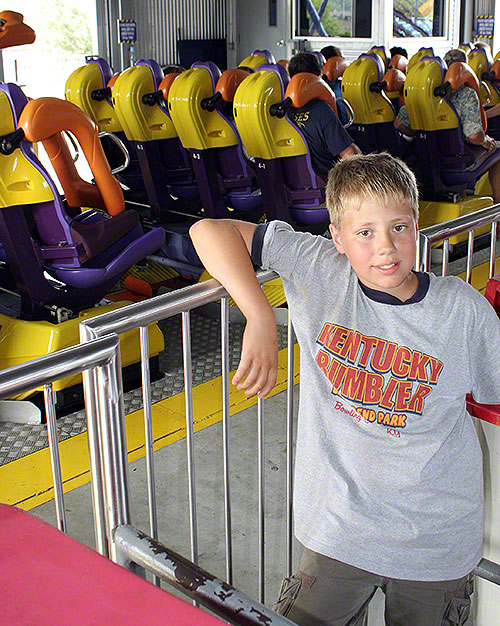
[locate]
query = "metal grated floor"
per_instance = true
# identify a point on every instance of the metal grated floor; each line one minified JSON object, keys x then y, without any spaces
{"x":18,"y":440}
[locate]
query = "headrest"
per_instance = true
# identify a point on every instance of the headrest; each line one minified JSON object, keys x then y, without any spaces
{"x":319,"y":56}
{"x":155,"y":70}
{"x":395,"y":80}
{"x":459,"y":74}
{"x":43,"y":120}
{"x":229,"y":82}
{"x":382,"y":52}
{"x":398,"y":62}
{"x":211,"y":67}
{"x":265,"y":53}
{"x":13,"y":31}
{"x":334,"y":68}
{"x":486,"y":51}
{"x":105,"y":68}
{"x":284,"y":63}
{"x":166,"y":83}
{"x":378,"y":62}
{"x":466,"y":46}
{"x":279,"y":69}
{"x":304,"y":87}
{"x":418,"y":56}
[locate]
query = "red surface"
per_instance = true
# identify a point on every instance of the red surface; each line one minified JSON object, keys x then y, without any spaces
{"x":47,"y":579}
{"x":486,"y":412}
{"x":492,"y":293}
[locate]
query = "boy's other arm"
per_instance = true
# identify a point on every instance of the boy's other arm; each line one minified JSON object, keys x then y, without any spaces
{"x":224,"y":247}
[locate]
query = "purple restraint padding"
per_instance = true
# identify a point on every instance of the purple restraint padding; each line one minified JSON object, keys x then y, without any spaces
{"x":268,"y":55}
{"x":155,"y":70}
{"x":215,"y":72}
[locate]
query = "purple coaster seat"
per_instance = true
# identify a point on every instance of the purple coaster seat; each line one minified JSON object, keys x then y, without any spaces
{"x":90,"y":252}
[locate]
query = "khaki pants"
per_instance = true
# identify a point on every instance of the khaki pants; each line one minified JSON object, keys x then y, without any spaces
{"x":327,"y":592}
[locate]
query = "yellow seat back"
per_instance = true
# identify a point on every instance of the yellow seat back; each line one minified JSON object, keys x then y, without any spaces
{"x":21,"y":183}
{"x":427,"y":111}
{"x":423,"y":52}
{"x":369,"y":107}
{"x":263,"y":135}
{"x":254,"y":61}
{"x":79,"y":87}
{"x":478,"y":61}
{"x":197,"y":128}
{"x":139,"y":121}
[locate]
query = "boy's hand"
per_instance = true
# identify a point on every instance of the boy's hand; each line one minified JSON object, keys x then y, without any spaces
{"x":258,"y":367}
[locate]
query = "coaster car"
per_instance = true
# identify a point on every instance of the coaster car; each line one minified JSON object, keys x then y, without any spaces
{"x":200,"y":103}
{"x":447,"y":165}
{"x":291,"y":189}
{"x":59,"y":261}
{"x":139,"y":97}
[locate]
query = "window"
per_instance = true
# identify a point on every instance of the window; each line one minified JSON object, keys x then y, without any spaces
{"x":418,"y":18}
{"x":334,"y":18}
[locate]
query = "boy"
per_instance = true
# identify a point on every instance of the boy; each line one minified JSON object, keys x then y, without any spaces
{"x":388,"y":475}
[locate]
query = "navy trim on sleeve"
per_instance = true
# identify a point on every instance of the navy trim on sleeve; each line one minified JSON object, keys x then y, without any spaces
{"x":257,"y":243}
{"x":386,"y":298}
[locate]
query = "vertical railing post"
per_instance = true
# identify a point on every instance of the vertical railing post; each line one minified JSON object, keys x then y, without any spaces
{"x":261,"y":496}
{"x":188,"y":393}
{"x":289,"y":445}
{"x":224,"y":304}
{"x":114,"y":446}
{"x":55,"y":459}
{"x":95,"y":461}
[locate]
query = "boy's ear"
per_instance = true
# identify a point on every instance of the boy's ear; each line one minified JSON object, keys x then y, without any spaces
{"x":336,"y":238}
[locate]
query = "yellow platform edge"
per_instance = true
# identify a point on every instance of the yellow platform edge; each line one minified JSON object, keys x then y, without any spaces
{"x":27,"y":482}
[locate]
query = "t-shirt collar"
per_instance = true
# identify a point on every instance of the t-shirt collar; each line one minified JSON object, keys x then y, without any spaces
{"x":387,"y":298}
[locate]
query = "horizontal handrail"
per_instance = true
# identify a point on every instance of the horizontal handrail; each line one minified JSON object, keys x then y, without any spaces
{"x":44,"y":370}
{"x":461,"y":224}
{"x":216,"y":595}
{"x":167,"y":305}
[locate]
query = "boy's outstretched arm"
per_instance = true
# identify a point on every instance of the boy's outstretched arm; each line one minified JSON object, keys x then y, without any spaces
{"x":224,"y":247}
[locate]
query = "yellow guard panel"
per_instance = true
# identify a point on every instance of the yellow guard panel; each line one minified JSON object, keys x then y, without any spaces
{"x":423,"y":52}
{"x":264,"y":136}
{"x":425,"y":110}
{"x":197,"y":129}
{"x":81,"y":83}
{"x":20,"y":182}
{"x":22,"y":341}
{"x":369,"y":107}
{"x":139,"y":121}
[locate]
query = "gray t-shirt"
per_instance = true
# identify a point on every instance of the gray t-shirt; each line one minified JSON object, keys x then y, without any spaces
{"x":388,"y":473}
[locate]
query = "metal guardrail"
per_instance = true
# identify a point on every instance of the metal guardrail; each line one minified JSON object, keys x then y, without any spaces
{"x":458,"y":226}
{"x":140,"y":315}
{"x":101,"y":354}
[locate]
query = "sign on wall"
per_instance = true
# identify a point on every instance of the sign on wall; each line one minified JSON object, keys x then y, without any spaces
{"x":485,"y":26}
{"x":127,"y":31}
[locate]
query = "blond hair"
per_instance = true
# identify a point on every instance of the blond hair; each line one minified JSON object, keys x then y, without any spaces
{"x":380,"y":176}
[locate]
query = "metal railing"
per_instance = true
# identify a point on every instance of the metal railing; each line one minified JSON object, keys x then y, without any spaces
{"x":458,"y":226}
{"x":129,"y":546}
{"x":140,"y":315}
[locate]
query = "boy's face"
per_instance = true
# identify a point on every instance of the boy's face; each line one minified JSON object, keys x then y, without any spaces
{"x":380,"y":240}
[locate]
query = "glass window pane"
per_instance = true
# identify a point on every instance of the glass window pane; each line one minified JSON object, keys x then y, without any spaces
{"x":418,"y":18}
{"x":334,"y":18}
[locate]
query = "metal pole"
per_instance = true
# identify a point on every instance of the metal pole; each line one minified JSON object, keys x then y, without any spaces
{"x":289,"y":445}
{"x":188,"y":393}
{"x":148,"y":434}
{"x":470,"y":253}
{"x":261,"y":495}
{"x":94,"y":442}
{"x":224,"y":305}
{"x":114,"y":447}
{"x":55,"y":459}
{"x":493,"y":245}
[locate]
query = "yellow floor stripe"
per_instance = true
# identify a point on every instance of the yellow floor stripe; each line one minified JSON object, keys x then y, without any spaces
{"x":27,"y":482}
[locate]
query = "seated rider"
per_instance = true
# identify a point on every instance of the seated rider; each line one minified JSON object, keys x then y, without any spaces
{"x":326,"y":138}
{"x":328,"y":52}
{"x":466,"y":103}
